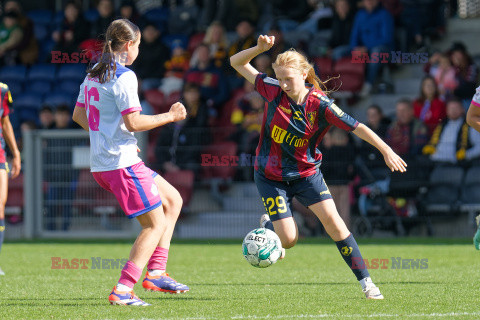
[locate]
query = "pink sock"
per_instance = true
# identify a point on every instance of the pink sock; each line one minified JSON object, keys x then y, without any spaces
{"x":130,"y":274}
{"x":158,"y":260}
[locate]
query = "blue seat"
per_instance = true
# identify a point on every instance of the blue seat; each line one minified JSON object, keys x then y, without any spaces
{"x":174,"y":40}
{"x":91,"y":15}
{"x":28,"y":100}
{"x":15,"y":86}
{"x":57,"y":98}
{"x":46,"y":47}
{"x":9,"y":73}
{"x":41,"y":16}
{"x":71,"y":87}
{"x":39,"y":86}
{"x":157,"y":15}
{"x":73,"y":71}
{"x":42,"y":72}
{"x":41,"y":32}
{"x":27,"y":114}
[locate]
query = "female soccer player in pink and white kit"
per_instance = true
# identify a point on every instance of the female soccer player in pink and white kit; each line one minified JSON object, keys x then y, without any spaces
{"x":109,"y":108}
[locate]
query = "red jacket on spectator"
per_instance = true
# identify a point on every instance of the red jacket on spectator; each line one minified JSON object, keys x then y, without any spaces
{"x":433,"y":115}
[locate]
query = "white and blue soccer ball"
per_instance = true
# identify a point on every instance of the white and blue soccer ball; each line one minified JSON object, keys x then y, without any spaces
{"x":262,"y":247}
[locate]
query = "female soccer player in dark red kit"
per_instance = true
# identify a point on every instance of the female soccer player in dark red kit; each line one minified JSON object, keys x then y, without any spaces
{"x":296,"y":117}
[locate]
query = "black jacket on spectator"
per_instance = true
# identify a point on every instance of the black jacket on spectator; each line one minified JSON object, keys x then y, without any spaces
{"x":151,"y":59}
{"x":341,"y":30}
{"x":183,"y":143}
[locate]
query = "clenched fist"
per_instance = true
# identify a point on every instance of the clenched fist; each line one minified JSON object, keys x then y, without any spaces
{"x":264,"y":43}
{"x":178,"y":111}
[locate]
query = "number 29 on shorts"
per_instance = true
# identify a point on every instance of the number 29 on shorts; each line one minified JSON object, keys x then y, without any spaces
{"x":275,"y":205}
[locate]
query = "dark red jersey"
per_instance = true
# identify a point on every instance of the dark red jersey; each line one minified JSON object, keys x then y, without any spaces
{"x":5,"y":110}
{"x":291,"y":133}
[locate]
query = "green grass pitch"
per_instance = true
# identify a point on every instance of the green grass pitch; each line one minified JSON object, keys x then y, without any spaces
{"x":312,"y":282}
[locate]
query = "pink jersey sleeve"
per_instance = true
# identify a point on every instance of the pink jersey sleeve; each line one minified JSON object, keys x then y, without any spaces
{"x":476,"y":98}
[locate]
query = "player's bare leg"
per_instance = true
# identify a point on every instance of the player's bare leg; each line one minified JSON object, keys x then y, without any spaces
{"x":153,"y":227}
{"x":346,"y":244}
{"x":156,"y":278}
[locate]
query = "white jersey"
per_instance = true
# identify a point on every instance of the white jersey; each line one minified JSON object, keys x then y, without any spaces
{"x":476,"y":98}
{"x":112,"y":146}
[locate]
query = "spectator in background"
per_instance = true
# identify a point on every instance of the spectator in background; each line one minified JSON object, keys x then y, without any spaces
{"x":247,"y":116}
{"x":291,"y":12}
{"x":466,"y":73}
{"x":128,"y":11}
{"x":263,"y":63}
{"x":27,"y":48}
{"x":406,"y":135}
{"x":106,"y":15}
{"x":378,"y":123}
{"x":338,"y":168}
{"x":175,"y":69}
{"x":319,"y":17}
{"x":47,"y":120}
{"x":453,"y":141}
{"x":210,"y":79}
{"x":372,"y":32}
{"x":10,"y":37}
{"x":72,"y":30}
{"x":217,"y":42}
{"x":228,"y":12}
{"x":429,"y":108}
{"x":180,"y":143}
{"x":444,"y":73}
{"x":412,"y":22}
{"x":339,"y":43}
{"x":280,"y":45}
{"x":245,"y":32}
{"x":152,"y":56}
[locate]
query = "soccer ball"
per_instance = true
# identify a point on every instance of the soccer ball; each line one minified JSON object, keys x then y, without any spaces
{"x":262,"y":247}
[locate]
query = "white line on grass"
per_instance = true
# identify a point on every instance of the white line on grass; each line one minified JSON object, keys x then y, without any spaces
{"x":380,"y":315}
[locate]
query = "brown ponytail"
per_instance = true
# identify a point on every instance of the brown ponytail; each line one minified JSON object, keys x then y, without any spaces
{"x":295,"y":60}
{"x":118,"y":33}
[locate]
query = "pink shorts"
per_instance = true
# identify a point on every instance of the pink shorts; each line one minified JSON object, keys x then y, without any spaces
{"x":134,"y":187}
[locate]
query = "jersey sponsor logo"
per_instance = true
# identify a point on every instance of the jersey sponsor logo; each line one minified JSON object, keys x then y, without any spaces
{"x":325,"y":192}
{"x":280,"y":136}
{"x":2,"y":228}
{"x":311,"y":116}
{"x":346,"y":251}
{"x":338,"y":112}
{"x":286,"y":110}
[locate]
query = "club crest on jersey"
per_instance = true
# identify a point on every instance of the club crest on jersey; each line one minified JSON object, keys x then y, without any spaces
{"x":311,"y":116}
{"x":286,"y":110}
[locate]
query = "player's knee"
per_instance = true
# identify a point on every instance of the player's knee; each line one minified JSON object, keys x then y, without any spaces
{"x":173,"y":203}
{"x":288,"y":241}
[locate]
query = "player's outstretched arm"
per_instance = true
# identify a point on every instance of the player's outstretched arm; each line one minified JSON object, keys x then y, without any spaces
{"x":135,"y":121}
{"x":473,"y":117}
{"x":80,"y":117}
{"x":12,"y":144}
{"x":393,"y":161}
{"x":241,"y":60}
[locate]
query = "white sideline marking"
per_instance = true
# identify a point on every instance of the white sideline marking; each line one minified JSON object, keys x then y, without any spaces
{"x":356,"y":316}
{"x":379,"y":315}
